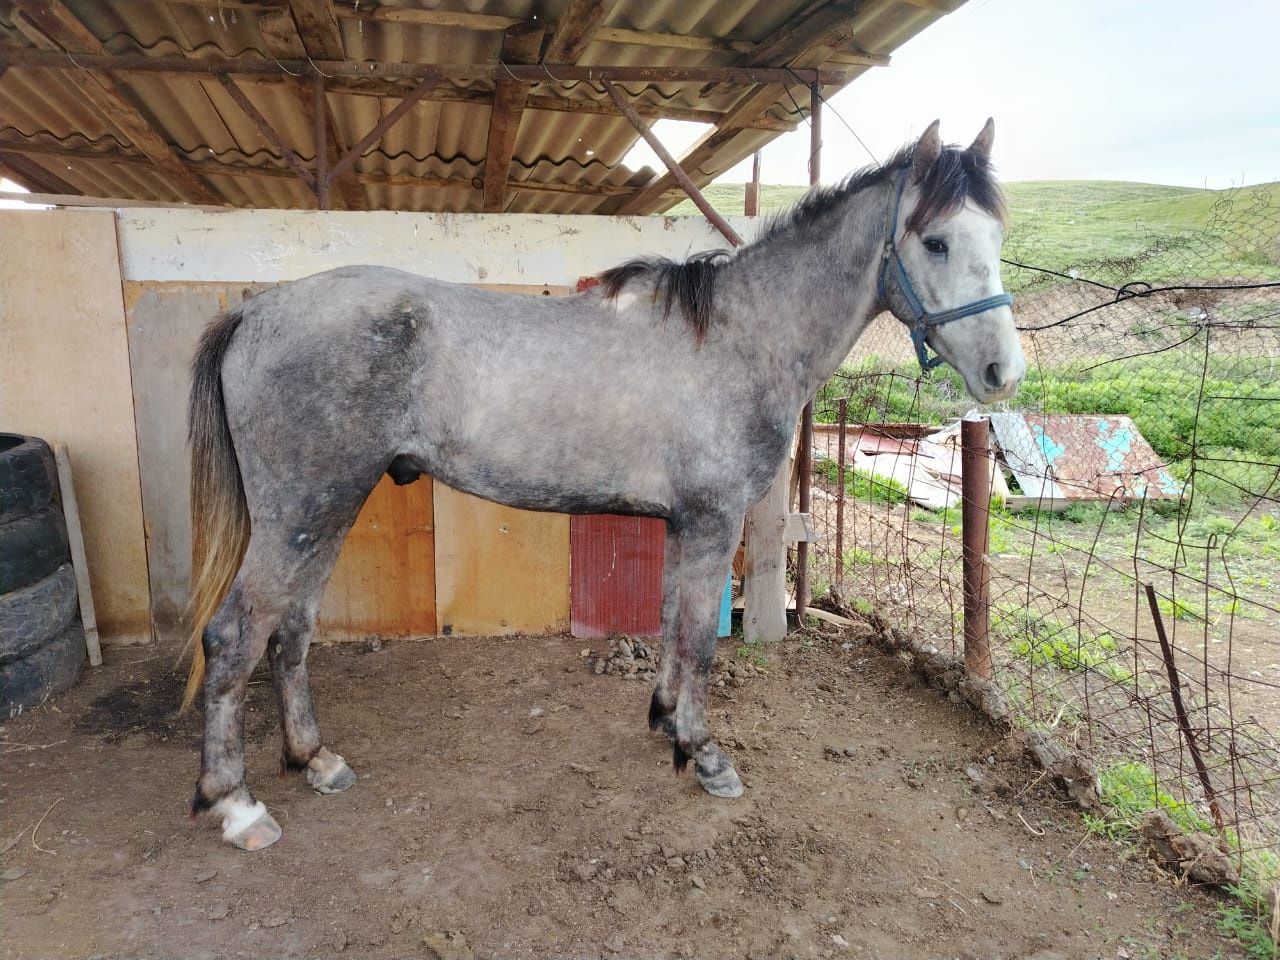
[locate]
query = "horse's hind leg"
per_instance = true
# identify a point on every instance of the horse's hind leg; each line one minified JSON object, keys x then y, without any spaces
{"x":706,"y":549}
{"x":300,"y":732}
{"x":234,"y":642}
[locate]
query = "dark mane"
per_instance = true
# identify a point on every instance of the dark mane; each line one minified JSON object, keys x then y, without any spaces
{"x":691,"y":284}
{"x":957,"y":175}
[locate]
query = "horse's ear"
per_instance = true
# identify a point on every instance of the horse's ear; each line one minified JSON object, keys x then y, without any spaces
{"x":981,"y":145}
{"x":926,"y":152}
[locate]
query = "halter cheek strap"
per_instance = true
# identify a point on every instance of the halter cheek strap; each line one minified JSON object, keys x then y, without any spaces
{"x":921,"y":320}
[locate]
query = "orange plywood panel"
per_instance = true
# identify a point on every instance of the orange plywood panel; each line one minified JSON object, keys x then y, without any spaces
{"x":384,"y":581}
{"x":499,"y":570}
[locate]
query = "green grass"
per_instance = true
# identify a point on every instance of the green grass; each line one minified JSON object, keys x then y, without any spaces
{"x":1128,"y":791}
{"x":865,"y":486}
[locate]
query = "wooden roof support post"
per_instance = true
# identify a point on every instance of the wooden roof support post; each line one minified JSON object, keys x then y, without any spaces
{"x":751,"y":199}
{"x":520,"y":44}
{"x":676,"y":171}
{"x":805,"y":453}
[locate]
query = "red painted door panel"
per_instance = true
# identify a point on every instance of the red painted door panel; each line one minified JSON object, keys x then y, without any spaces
{"x":616,"y":575}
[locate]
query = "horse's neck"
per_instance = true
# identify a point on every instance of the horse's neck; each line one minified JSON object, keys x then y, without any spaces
{"x":804,"y":301}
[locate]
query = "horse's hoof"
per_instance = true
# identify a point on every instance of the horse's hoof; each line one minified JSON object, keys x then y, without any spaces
{"x":249,"y":827}
{"x":725,"y":784}
{"x":328,"y":773}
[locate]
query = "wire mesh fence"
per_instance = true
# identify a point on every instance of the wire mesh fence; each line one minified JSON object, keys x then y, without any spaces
{"x":1143,"y":449}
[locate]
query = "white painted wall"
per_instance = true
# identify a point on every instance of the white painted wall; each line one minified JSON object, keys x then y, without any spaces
{"x":268,"y":246}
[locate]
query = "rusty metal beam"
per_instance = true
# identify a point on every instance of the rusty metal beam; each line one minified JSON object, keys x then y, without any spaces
{"x":677,"y":173}
{"x":17,"y":56}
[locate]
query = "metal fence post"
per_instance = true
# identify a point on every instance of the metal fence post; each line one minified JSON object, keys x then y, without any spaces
{"x":975,"y":484}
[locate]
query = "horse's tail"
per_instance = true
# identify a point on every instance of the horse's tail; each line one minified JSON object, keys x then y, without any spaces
{"x":219,"y":516}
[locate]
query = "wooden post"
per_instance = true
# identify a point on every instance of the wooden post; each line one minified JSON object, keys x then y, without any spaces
{"x":975,"y":485}
{"x":806,"y":416}
{"x":751,"y":200}
{"x":764,"y":579}
{"x":842,"y":407}
{"x":79,"y":562}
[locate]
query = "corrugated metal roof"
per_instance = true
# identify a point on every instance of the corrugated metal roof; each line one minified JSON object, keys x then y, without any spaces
{"x":434,"y":158}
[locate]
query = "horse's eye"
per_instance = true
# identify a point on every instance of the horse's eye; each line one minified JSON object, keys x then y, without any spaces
{"x":934,"y":245}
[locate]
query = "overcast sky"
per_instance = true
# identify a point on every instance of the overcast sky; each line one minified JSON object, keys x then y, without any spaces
{"x":1161,"y":91}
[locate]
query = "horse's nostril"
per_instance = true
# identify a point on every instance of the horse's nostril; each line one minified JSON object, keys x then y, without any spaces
{"x":993,"y":376}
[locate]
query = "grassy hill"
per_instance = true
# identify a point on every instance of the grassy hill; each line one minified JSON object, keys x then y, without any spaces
{"x":1113,"y":231}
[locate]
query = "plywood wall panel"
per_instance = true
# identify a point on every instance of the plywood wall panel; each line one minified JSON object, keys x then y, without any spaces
{"x":64,"y":376}
{"x":499,"y":570}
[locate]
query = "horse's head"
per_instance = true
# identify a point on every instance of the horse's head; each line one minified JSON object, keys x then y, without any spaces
{"x":941,"y":269}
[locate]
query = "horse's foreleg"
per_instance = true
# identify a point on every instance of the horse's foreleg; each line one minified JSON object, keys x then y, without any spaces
{"x":234,"y":642}
{"x":300,"y":732}
{"x":666,"y":690}
{"x":704,"y":561}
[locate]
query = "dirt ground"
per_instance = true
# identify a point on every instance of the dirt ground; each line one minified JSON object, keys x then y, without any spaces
{"x":512,"y":799}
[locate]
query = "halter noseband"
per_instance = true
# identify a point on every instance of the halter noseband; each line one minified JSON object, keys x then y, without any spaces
{"x":922,"y":320}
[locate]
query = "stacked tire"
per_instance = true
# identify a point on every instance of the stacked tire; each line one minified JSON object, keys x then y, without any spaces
{"x":42,"y":649}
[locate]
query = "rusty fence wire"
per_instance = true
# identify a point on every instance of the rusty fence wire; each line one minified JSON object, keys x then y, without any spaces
{"x":1143,"y":450}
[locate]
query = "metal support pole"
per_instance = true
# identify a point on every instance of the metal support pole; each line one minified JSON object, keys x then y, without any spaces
{"x":842,"y":407}
{"x":806,"y":416}
{"x":975,"y":485}
{"x":320,"y":109}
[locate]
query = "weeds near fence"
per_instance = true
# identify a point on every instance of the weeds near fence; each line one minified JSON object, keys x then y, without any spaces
{"x":1176,"y":325}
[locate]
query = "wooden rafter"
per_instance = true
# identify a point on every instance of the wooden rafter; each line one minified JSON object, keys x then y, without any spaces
{"x":14,"y":152}
{"x":805,"y":45}
{"x":280,"y":34}
{"x":447,"y":93}
{"x":16,"y":56}
{"x":32,"y":175}
{"x":62,"y":29}
{"x":520,"y":44}
{"x":318,"y":27}
{"x":576,"y":30}
{"x":268,"y":131}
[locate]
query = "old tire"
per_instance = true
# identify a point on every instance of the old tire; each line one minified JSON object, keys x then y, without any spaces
{"x":32,"y":616}
{"x":53,"y":668}
{"x":31,"y":548}
{"x":28,"y":475}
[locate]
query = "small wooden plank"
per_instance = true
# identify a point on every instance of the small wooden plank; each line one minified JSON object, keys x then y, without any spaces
{"x":318,"y":26}
{"x":764,"y":577}
{"x":79,"y":560}
{"x":800,"y":529}
{"x":499,"y":570}
{"x":827,"y":617}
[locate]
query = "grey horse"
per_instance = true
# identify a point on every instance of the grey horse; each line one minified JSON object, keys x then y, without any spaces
{"x":670,"y":390}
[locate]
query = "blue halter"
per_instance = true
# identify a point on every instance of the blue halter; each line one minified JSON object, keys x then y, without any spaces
{"x":921,"y":320}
